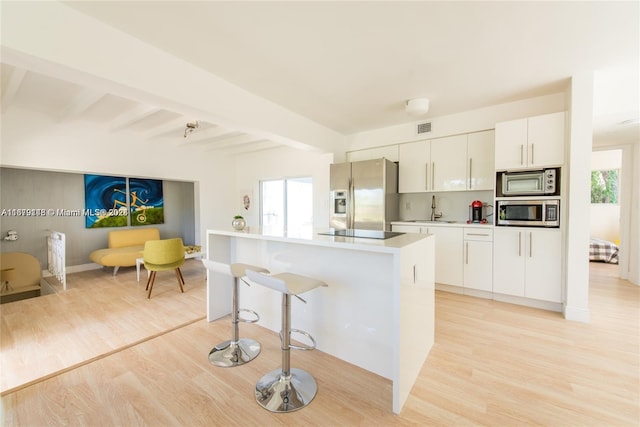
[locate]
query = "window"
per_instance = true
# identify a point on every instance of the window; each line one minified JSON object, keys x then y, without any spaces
{"x":286,"y":206}
{"x":604,"y":186}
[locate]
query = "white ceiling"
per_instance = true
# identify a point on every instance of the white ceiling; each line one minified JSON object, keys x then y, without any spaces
{"x":352,"y":65}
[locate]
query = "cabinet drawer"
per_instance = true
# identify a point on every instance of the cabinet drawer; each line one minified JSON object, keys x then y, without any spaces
{"x":480,"y":234}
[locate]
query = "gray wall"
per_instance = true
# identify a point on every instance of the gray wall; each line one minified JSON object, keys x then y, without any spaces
{"x":35,"y":189}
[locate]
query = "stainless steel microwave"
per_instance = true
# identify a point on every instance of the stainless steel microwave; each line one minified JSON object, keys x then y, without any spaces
{"x":538,"y":182}
{"x":528,"y":213}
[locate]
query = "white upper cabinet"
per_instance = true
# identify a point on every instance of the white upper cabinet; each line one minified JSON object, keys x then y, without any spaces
{"x":546,"y":139}
{"x":449,"y":163}
{"x":511,"y":144}
{"x":454,"y":163}
{"x":414,"y":167}
{"x":531,"y":142}
{"x":480,"y":160}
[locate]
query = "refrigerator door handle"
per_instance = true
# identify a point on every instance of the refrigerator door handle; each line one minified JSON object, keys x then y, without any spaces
{"x":352,"y":205}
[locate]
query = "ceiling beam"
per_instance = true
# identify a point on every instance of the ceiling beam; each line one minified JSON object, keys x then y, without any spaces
{"x":133,"y":116}
{"x":233,"y":141}
{"x":13,"y":85}
{"x":209,"y":135}
{"x":173,"y":126}
{"x":253,"y":147}
{"x":81,"y":104}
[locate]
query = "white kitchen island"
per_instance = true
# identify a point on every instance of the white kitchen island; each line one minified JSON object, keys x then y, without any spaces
{"x":377,"y":312}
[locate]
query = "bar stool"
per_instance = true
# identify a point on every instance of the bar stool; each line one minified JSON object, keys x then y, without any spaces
{"x":236,"y":351}
{"x":286,"y":389}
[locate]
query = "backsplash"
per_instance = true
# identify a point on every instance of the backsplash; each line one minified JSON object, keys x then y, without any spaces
{"x":454,"y":205}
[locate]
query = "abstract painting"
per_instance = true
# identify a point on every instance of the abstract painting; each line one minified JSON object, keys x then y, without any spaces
{"x":105,"y":200}
{"x":146,"y":201}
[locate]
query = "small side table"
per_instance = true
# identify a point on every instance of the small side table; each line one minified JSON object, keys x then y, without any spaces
{"x":140,"y":261}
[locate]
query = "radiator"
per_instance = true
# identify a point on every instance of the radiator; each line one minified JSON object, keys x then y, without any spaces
{"x":56,"y":257}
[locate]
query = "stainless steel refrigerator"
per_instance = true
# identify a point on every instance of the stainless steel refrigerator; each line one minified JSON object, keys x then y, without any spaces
{"x":364,"y":195}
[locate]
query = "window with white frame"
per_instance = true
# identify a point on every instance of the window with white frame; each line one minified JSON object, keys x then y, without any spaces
{"x":286,"y":206}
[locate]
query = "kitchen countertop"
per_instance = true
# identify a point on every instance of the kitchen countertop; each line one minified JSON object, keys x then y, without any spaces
{"x":392,"y":244}
{"x":441,"y":223}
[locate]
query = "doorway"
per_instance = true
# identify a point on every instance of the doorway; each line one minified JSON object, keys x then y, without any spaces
{"x":608,"y":208}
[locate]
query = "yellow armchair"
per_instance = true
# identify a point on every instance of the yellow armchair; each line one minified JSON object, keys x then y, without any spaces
{"x":162,"y":255}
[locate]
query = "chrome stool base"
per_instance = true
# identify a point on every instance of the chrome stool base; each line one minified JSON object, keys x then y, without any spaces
{"x":279,"y":393}
{"x":234,"y":353}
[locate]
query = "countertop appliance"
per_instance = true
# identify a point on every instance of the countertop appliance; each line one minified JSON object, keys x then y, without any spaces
{"x":528,"y":213}
{"x":538,"y":182}
{"x":477,"y":214}
{"x":363,"y":195}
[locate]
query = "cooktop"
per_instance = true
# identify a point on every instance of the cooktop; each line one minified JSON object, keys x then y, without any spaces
{"x":364,"y":234}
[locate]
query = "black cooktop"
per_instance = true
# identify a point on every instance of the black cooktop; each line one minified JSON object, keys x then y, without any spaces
{"x":364,"y":234}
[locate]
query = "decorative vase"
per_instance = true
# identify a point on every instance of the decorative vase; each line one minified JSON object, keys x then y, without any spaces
{"x":239,"y":223}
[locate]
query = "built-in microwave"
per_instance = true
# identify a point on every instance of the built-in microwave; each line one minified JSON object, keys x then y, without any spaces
{"x":528,"y":213}
{"x":538,"y":182}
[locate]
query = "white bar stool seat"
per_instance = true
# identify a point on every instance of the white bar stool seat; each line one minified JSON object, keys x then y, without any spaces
{"x":236,"y":351}
{"x":286,"y":389}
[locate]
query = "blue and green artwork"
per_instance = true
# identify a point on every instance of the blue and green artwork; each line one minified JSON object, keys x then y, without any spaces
{"x":105,"y":201}
{"x":146,"y":201}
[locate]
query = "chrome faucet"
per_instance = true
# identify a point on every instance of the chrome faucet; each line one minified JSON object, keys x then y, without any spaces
{"x":434,"y":215}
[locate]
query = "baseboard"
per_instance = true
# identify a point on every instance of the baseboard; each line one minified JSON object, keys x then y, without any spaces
{"x":449,"y":288}
{"x":529,"y":302}
{"x":576,"y":314}
{"x":75,"y":269}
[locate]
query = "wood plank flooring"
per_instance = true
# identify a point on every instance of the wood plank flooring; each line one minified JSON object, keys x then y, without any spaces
{"x":145,"y":362}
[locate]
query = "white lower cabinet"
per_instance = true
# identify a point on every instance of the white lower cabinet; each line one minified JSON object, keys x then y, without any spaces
{"x":448,"y":246}
{"x":527,"y":263}
{"x":520,"y":262}
{"x":478,"y":259}
{"x":448,"y":255}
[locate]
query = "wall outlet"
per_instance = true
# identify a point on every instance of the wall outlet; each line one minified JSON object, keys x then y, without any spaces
{"x":407,"y":206}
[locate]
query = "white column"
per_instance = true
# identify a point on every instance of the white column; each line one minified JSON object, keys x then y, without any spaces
{"x":578,"y":201}
{"x":631,"y":167}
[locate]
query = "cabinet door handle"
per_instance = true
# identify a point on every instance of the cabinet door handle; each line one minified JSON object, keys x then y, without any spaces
{"x":466,"y":261}
{"x":532,"y":161}
{"x":433,"y":171}
{"x":426,"y":176}
{"x":521,"y":154}
{"x":477,"y":234}
{"x":414,"y":273}
{"x":530,"y":245}
{"x":470,"y":173}
{"x":519,"y":243}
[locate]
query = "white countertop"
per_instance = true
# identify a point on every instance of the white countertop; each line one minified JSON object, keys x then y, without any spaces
{"x":393,"y":244}
{"x":426,"y":223}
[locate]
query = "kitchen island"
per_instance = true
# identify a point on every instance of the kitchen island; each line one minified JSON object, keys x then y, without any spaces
{"x":377,"y":313}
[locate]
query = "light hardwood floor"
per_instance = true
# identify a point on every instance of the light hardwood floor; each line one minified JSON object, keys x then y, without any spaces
{"x":104,"y":355}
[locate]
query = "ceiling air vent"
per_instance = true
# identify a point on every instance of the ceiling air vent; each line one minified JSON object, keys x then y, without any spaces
{"x":424,"y":128}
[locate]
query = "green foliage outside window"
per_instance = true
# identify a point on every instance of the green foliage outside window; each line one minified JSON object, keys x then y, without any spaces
{"x":604,"y":186}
